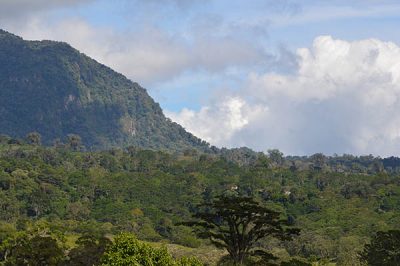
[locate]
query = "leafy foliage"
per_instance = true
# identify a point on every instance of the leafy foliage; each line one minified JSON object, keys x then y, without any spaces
{"x":383,"y":250}
{"x":28,"y":250}
{"x":88,"y":251}
{"x":36,"y":249}
{"x":50,"y":88}
{"x":147,"y":192}
{"x":237,"y":224}
{"x":127,"y":250}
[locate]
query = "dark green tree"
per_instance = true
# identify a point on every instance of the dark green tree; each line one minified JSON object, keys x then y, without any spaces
{"x":31,"y":250}
{"x":318,"y":161}
{"x":384,"y":249}
{"x":276,"y":156}
{"x":89,"y":250}
{"x":34,"y":138}
{"x":74,"y":142}
{"x":237,"y":223}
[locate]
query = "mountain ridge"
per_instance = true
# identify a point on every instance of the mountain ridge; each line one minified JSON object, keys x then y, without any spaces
{"x":53,"y":89}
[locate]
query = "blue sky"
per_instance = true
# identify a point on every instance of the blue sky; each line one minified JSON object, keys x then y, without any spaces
{"x":301,"y":76}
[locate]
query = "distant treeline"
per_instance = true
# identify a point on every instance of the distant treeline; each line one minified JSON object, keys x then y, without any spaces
{"x":345,"y":163}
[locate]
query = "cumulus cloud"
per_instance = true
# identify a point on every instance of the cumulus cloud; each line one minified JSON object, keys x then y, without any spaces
{"x":335,"y":96}
{"x":332,"y":67}
{"x":343,"y":98}
{"x":220,"y":122}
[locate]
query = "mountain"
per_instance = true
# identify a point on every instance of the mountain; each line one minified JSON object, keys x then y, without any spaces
{"x":53,"y":89}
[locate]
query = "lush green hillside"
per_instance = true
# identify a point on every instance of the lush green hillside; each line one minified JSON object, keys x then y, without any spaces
{"x":148,"y":192}
{"x":51,"y":88}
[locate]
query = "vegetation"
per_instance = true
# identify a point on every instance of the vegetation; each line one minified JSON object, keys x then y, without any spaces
{"x":237,"y":224}
{"x":339,"y":203}
{"x":57,"y":91}
{"x":89,"y":250}
{"x":384,"y":249}
{"x":32,"y":250}
{"x":127,"y":250}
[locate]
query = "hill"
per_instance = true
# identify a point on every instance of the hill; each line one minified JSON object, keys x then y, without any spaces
{"x":53,"y":89}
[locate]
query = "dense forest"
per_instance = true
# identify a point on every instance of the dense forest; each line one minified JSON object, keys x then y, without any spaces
{"x":338,"y":202}
{"x":52,"y":88}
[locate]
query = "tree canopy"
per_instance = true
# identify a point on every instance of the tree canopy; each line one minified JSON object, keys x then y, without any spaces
{"x":237,"y":223}
{"x":384,"y":249}
{"x":338,"y":206}
{"x":35,"y":249}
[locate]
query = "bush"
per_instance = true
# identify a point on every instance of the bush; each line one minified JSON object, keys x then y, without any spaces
{"x":128,"y":250}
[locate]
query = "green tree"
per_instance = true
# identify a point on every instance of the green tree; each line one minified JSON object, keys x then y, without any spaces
{"x":74,"y":142}
{"x":34,"y":138}
{"x":25,"y":249}
{"x":89,"y":250}
{"x":237,"y":223}
{"x":276,"y":156}
{"x":318,"y":161}
{"x":384,"y":249}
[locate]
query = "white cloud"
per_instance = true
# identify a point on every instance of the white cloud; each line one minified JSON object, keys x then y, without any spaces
{"x":332,"y":67}
{"x":341,"y":97}
{"x":148,"y":54}
{"x":218,"y":123}
{"x":344,"y":97}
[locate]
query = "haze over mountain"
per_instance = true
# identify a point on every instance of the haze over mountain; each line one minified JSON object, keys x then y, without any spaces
{"x":53,"y":89}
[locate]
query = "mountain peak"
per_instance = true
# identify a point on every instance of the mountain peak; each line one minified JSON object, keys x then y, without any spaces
{"x":53,"y":89}
{"x":6,"y":34}
{"x":2,"y":32}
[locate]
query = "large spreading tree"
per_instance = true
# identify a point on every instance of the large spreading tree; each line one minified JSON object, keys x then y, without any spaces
{"x":237,"y":223}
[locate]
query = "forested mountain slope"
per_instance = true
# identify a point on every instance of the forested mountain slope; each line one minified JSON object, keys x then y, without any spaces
{"x":51,"y":88}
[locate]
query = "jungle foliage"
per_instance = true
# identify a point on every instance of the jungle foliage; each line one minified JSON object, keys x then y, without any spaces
{"x":52,"y":88}
{"x":339,"y":203}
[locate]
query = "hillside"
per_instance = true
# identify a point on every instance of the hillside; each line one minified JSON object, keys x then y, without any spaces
{"x":53,"y":89}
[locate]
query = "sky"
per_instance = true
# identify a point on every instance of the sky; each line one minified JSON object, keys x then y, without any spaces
{"x":300,"y":76}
